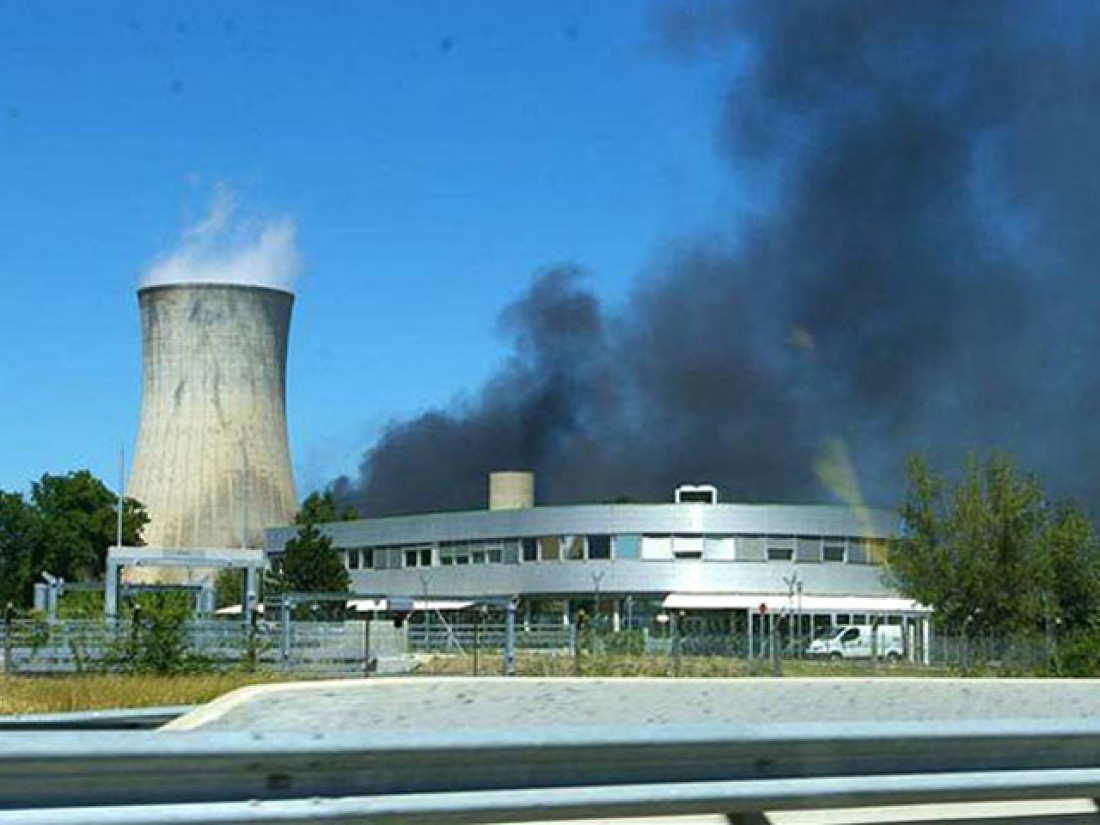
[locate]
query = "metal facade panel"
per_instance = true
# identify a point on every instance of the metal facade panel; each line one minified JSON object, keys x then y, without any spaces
{"x":807,"y":549}
{"x":680,"y":519}
{"x":622,"y":576}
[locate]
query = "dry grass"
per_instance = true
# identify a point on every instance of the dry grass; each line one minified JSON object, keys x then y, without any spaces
{"x":550,"y":664}
{"x":101,"y":692}
{"x":21,"y":694}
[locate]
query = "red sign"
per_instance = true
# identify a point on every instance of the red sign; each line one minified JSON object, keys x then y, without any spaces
{"x":763,"y":609}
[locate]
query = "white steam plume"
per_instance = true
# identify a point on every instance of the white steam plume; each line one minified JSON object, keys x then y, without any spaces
{"x":223,"y":248}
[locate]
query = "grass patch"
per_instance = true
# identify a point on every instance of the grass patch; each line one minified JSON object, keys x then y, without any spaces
{"x":22,"y":694}
{"x":609,"y":665}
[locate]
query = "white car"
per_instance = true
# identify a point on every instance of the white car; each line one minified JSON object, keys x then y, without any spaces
{"x":854,"y":642}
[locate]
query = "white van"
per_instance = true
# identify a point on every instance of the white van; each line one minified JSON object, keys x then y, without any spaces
{"x":854,"y":642}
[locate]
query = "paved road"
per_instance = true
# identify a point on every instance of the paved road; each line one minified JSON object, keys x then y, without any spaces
{"x":456,"y":704}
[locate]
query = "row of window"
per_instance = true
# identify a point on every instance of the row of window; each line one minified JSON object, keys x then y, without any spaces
{"x":600,"y":547}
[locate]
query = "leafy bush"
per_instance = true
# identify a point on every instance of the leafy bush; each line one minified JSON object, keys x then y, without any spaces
{"x":158,"y":640}
{"x":625,"y":642}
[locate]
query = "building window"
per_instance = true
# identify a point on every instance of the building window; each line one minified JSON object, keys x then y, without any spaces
{"x":425,"y":557}
{"x":573,"y":548}
{"x":657,"y":547}
{"x":410,"y":558}
{"x":857,"y":551}
{"x":454,"y":553}
{"x":628,"y":546}
{"x":353,"y":559}
{"x":530,"y":550}
{"x":599,"y":547}
{"x":778,"y":552}
{"x":807,"y":549}
{"x":367,"y":558}
{"x":750,"y":548}
{"x":877,"y":550}
{"x":687,"y":547}
{"x":550,"y":548}
{"x":718,"y":548}
{"x":833,"y":550}
{"x":469,"y":552}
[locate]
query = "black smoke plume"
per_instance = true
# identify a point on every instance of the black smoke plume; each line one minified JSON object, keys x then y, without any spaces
{"x":919,"y":271}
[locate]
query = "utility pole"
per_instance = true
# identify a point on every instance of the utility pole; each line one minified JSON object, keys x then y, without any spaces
{"x":121,"y":494}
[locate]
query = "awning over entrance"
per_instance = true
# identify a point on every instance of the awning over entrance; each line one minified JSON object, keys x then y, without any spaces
{"x":382,"y":605}
{"x":234,"y":610}
{"x":780,"y":603}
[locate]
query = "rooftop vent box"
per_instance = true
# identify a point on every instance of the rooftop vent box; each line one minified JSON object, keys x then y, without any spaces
{"x":696,"y":494}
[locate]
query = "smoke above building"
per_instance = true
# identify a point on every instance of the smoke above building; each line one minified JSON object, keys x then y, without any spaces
{"x":917,"y":273}
{"x":226,"y":247}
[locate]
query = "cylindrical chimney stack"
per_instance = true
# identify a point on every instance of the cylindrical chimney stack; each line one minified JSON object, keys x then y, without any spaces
{"x":511,"y":490}
{"x":212,"y":463}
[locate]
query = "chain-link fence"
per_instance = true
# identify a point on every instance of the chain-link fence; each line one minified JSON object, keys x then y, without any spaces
{"x":43,"y":647}
{"x":438,"y":646}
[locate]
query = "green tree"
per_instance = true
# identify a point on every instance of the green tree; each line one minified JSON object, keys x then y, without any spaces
{"x":321,"y":508}
{"x":76,"y":522}
{"x":17,"y":530}
{"x":310,"y":564}
{"x":991,"y":554}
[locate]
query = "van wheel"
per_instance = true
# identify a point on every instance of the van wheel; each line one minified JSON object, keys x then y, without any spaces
{"x":893,"y":657}
{"x":835,"y":657}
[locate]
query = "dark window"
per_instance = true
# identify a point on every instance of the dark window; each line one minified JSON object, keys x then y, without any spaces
{"x":780,"y":553}
{"x":833,"y":552}
{"x":353,"y":559}
{"x":850,"y":635}
{"x":410,"y":558}
{"x":599,"y":547}
{"x":425,"y":557}
{"x":696,"y":497}
{"x":530,"y":550}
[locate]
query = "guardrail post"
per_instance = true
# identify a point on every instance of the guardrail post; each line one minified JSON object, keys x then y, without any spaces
{"x":509,"y":663}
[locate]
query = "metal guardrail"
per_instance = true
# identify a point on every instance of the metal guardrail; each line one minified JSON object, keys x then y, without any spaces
{"x":122,"y":719}
{"x":529,"y":775}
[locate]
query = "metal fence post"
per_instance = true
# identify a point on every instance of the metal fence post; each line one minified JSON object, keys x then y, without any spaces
{"x":509,"y":663}
{"x":285,"y":616}
{"x":577,"y":628}
{"x":9,"y":615}
{"x":777,"y":668}
{"x":477,"y":637}
{"x":674,"y":626}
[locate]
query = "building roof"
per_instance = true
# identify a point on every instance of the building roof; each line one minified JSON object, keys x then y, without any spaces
{"x":679,"y":519}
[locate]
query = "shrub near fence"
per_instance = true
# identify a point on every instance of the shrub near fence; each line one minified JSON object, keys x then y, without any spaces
{"x":121,"y":646}
{"x":339,"y":648}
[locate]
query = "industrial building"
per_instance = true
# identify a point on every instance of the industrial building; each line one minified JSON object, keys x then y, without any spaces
{"x":212,"y":464}
{"x":734,"y":566}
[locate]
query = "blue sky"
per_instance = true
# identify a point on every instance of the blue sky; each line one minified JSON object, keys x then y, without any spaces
{"x":432,"y":155}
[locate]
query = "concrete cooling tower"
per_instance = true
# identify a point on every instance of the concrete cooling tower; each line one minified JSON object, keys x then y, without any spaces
{"x":212,"y":464}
